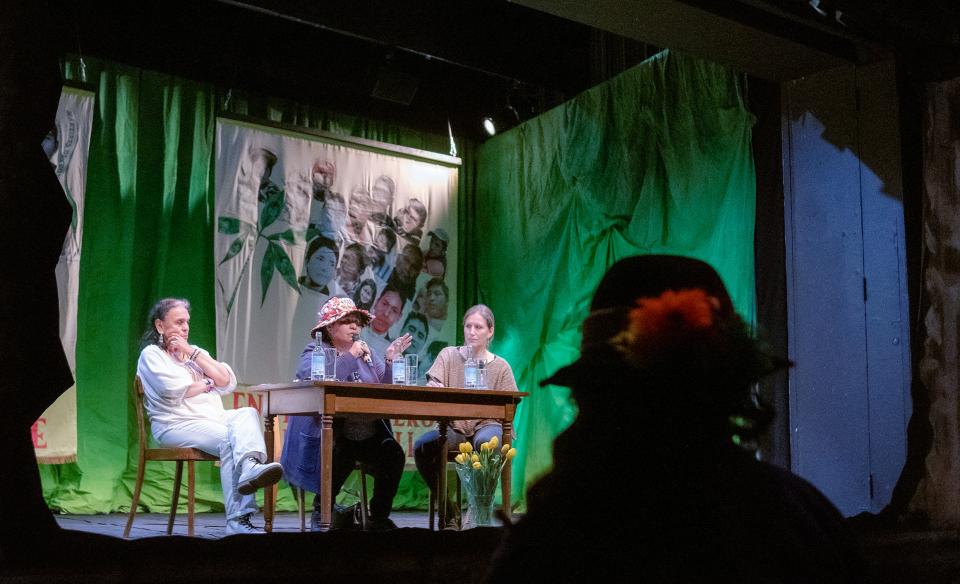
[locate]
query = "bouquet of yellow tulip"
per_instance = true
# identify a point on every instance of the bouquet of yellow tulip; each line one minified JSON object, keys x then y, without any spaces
{"x":479,"y":473}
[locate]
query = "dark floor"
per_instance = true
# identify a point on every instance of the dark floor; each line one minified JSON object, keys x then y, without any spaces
{"x":895,"y":555}
{"x":898,"y":555}
{"x":207,"y":525}
{"x":90,"y":549}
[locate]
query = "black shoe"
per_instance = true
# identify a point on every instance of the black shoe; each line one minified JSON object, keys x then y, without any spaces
{"x":380,"y":524}
{"x":343,"y":518}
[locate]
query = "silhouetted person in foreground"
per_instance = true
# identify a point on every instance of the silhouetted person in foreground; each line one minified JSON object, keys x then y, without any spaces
{"x":648,"y":484}
{"x":34,"y":217}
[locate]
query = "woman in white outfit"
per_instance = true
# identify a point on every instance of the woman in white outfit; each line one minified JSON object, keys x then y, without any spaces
{"x":182,"y":385}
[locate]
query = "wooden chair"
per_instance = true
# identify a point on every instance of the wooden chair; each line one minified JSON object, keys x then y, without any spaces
{"x":190,"y":455}
{"x":299,"y":494}
{"x":451,"y":455}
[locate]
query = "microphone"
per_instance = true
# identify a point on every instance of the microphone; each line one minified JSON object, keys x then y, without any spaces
{"x":366,"y":349}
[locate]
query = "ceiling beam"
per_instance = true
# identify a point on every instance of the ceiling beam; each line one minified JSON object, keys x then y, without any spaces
{"x":742,"y":35}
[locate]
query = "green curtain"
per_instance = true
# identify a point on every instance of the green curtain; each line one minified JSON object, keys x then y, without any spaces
{"x":656,"y":160}
{"x":148,"y":230}
{"x":147,"y":233}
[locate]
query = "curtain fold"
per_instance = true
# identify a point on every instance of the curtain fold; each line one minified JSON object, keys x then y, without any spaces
{"x":656,"y":160}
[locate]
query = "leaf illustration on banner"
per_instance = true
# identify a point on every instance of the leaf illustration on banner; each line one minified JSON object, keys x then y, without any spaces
{"x":285,"y":267}
{"x":228,"y":225}
{"x":271,"y":207}
{"x":289,"y":236}
{"x":274,"y":258}
{"x":266,"y":269}
{"x":235,"y":248}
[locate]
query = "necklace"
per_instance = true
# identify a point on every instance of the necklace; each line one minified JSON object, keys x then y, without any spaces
{"x":195,"y":371}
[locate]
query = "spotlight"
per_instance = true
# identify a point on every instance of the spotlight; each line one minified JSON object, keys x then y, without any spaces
{"x":503,"y":120}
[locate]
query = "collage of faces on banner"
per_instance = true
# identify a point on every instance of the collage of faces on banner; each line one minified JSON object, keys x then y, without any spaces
{"x":366,"y":246}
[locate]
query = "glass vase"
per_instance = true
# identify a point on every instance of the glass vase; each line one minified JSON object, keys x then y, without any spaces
{"x":479,"y":511}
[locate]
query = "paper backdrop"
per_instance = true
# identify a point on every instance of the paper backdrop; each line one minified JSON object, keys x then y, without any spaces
{"x":300,"y":220}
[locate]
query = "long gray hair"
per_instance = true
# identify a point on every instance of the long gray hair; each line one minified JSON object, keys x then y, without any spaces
{"x":159,"y":311}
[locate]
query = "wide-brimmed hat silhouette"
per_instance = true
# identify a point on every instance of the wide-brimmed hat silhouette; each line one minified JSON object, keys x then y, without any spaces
{"x":620,"y":331}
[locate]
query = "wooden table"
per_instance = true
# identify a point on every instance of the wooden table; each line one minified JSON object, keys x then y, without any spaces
{"x":337,"y":398}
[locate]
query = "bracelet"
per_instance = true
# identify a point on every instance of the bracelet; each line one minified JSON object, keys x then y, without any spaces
{"x":196,"y":352}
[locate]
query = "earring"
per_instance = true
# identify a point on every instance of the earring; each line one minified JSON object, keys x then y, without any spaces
{"x":160,"y":340}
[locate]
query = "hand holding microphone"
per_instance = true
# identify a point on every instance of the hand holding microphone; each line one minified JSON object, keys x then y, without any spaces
{"x":364,"y":349}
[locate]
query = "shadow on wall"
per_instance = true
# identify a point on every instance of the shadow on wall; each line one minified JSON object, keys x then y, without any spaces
{"x":857,"y":111}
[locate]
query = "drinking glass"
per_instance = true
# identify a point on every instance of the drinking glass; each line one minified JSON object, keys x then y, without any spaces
{"x":411,"y":364}
{"x":330,"y":364}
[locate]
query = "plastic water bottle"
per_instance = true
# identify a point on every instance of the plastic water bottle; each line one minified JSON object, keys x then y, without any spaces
{"x":481,"y":374}
{"x":399,"y":370}
{"x":317,"y":365}
{"x":470,"y":370}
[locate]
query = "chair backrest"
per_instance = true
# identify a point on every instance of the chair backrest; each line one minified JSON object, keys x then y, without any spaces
{"x":161,"y":453}
{"x":138,"y":405}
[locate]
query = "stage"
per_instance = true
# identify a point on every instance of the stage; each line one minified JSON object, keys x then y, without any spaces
{"x":893,"y":555}
{"x":89,"y":549}
{"x":206,"y":526}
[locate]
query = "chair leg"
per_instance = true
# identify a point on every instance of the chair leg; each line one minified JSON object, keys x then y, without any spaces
{"x":433,"y":505}
{"x":298,"y":496}
{"x":178,"y":476}
{"x":364,"y":511}
{"x":190,"y":497}
{"x":136,"y":497}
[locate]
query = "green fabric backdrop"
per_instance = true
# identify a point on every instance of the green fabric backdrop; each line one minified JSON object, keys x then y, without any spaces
{"x":149,"y":227}
{"x":148,"y":232}
{"x":657,"y":160}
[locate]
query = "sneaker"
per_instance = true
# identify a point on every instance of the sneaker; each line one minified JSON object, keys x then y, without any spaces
{"x":257,"y":475}
{"x":380,"y":524}
{"x":242,"y":525}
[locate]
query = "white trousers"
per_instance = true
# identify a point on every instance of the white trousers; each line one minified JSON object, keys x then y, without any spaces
{"x":237,"y":436}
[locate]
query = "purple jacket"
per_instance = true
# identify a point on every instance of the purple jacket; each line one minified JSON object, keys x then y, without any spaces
{"x":301,"y":445}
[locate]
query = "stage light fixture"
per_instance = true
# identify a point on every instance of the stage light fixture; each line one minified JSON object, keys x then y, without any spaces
{"x":489,"y":126}
{"x":503,"y":120}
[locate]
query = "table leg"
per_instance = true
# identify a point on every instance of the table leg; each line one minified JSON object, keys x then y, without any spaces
{"x":505,"y":475}
{"x":326,"y":471}
{"x":268,"y":499}
{"x":442,"y":477}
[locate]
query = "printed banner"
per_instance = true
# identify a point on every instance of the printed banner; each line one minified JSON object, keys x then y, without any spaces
{"x":55,"y":432}
{"x":300,"y":220}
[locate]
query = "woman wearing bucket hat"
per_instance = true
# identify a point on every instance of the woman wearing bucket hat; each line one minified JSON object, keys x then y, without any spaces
{"x":647,"y":481}
{"x":368,"y":441}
